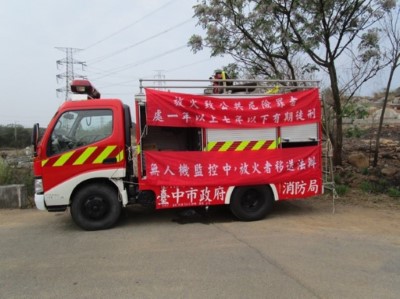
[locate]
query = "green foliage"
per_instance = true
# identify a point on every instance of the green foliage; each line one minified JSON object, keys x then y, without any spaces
{"x":365,"y":171}
{"x":338,"y":179}
{"x":341,"y":190}
{"x":393,"y":192}
{"x":374,"y":187}
{"x":377,"y":186}
{"x":11,"y":175}
{"x":275,"y":39}
{"x":353,"y":132}
{"x":266,"y":36}
{"x":354,"y":111}
{"x":5,"y":173}
{"x":252,"y":33}
{"x":369,"y":45}
{"x":14,"y":136}
{"x":232,"y":70}
{"x":366,"y":187}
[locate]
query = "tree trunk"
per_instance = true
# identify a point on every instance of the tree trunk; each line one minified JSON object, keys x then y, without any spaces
{"x":337,"y":106}
{"x":338,"y":141}
{"x":378,"y":134}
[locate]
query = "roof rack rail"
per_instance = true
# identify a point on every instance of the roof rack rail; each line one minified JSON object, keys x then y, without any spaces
{"x":229,"y":86}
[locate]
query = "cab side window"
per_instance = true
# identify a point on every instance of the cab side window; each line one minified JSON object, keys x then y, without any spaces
{"x":79,"y":128}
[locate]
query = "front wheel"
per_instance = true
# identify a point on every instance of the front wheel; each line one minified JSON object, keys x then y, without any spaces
{"x":249,"y":203}
{"x":96,"y":207}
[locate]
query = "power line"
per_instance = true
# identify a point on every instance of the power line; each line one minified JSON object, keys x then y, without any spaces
{"x":187,"y":65}
{"x":128,"y":83}
{"x":123,"y":83}
{"x":130,"y":25}
{"x":99,"y":72}
{"x":128,"y":66}
{"x":106,"y":56}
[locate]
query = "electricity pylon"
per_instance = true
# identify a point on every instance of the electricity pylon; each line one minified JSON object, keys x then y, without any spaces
{"x":69,"y":75}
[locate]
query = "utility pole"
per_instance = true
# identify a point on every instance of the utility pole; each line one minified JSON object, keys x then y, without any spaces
{"x":69,"y":74}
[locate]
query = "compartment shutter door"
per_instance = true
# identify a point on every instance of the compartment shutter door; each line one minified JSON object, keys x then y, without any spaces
{"x":300,"y":133}
{"x":241,"y":139}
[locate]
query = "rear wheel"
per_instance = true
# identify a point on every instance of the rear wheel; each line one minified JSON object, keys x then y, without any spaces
{"x":96,"y":207}
{"x":249,"y":203}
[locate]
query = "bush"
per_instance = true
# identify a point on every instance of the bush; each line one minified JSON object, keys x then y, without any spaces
{"x":5,"y":173}
{"x":354,"y":132}
{"x":393,"y":192}
{"x":11,"y":175}
{"x":14,"y":136}
{"x":365,"y":171}
{"x":381,"y":186}
{"x":366,"y":187}
{"x":337,"y":179}
{"x":341,"y":189}
{"x":354,"y":111}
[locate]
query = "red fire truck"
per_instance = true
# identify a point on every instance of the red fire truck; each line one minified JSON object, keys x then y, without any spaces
{"x":246,"y":150}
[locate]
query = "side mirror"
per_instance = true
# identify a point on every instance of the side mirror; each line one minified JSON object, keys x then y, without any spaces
{"x":35,"y":138}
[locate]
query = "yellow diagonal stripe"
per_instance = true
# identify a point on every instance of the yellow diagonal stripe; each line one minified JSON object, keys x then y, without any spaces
{"x":63,"y":159}
{"x":242,"y":145}
{"x":44,"y":162}
{"x":210,"y":145}
{"x":274,"y":144}
{"x":258,"y":145}
{"x":104,"y":154}
{"x":85,"y":155}
{"x":226,"y":146}
{"x":120,"y":156}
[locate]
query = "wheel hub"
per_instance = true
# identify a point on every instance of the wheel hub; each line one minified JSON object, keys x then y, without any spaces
{"x":95,"y":208}
{"x":250,"y":199}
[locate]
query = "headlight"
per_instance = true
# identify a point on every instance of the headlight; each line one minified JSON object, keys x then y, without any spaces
{"x":38,"y":186}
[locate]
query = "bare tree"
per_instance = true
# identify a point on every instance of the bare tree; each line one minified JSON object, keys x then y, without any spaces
{"x":267,"y":36}
{"x":391,"y":30}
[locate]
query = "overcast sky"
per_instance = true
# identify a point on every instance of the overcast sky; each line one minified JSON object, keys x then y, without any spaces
{"x":145,"y":36}
{"x":121,"y":41}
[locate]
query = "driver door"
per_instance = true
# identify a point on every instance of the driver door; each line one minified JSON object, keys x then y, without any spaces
{"x":82,"y":143}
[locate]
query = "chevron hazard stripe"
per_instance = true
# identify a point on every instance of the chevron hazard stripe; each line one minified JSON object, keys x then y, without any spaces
{"x":89,"y":155}
{"x":222,"y":146}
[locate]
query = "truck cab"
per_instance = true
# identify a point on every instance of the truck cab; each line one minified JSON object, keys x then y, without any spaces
{"x":85,"y":145}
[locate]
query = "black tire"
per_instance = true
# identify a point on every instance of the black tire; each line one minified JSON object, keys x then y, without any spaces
{"x":96,"y":207}
{"x":250,"y":203}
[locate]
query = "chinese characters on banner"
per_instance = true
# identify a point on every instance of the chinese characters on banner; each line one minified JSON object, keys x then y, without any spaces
{"x":201,"y":178}
{"x":185,"y":196}
{"x":178,"y":109}
{"x":188,"y":178}
{"x":232,"y":168}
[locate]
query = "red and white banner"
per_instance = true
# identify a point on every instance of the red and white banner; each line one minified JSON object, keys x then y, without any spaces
{"x":232,"y":168}
{"x":191,"y":196}
{"x":187,"y":110}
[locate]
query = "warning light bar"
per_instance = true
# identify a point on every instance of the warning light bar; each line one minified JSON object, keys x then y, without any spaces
{"x":84,"y":87}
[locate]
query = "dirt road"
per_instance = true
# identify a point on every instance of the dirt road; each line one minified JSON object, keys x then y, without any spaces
{"x":302,"y":250}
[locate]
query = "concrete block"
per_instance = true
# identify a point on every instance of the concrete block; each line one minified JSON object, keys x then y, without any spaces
{"x":13,"y":197}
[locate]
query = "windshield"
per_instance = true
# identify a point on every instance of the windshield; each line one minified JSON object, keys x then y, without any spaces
{"x":79,"y":128}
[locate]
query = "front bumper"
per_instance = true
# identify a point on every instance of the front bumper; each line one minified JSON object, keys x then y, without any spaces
{"x":39,"y":202}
